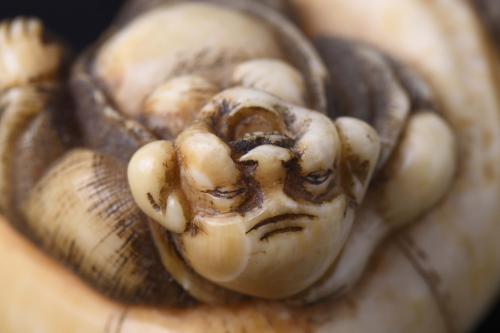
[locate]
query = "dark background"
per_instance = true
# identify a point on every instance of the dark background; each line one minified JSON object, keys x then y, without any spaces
{"x":80,"y":22}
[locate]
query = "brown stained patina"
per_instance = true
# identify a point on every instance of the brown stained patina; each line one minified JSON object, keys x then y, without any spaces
{"x":263,"y":152}
{"x":268,"y":154}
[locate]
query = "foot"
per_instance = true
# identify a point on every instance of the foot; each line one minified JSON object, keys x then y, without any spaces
{"x":25,"y":55}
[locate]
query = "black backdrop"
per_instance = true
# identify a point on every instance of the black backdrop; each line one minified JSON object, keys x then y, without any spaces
{"x":80,"y":22}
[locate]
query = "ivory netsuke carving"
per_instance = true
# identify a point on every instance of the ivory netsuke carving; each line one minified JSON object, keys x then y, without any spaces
{"x":205,"y":149}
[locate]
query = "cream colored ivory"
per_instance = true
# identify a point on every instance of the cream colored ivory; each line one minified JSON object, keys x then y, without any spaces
{"x":25,"y":56}
{"x":437,"y":276}
{"x":421,"y":170}
{"x":273,"y":76}
{"x":218,"y":240}
{"x":20,"y":106}
{"x":175,"y":103}
{"x":224,"y":251}
{"x":362,"y":143}
{"x":82,"y":199}
{"x":155,"y":194}
{"x":178,"y":39}
{"x":457,"y":241}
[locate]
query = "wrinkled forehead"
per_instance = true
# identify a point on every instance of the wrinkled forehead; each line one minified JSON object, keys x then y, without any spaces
{"x":177,"y":39}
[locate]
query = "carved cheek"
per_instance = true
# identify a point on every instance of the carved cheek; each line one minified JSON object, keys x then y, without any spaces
{"x":332,"y":227}
{"x":264,"y":263}
{"x":220,"y":250}
{"x":209,"y":176}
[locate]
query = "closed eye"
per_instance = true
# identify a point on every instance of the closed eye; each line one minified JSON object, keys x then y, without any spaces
{"x":225,"y":193}
{"x":318,"y":177}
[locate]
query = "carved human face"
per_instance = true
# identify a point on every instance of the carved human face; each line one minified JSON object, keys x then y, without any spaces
{"x":268,"y":201}
{"x":266,"y":214}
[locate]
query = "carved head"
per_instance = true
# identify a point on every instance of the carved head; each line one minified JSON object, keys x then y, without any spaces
{"x":258,"y":192}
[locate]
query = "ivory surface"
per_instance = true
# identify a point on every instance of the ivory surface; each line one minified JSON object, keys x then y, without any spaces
{"x":438,"y":275}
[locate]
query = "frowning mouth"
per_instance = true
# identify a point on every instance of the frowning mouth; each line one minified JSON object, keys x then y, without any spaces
{"x":277,"y":219}
{"x":271,"y":233}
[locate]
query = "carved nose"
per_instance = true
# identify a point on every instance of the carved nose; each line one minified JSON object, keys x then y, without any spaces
{"x":270,"y":160}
